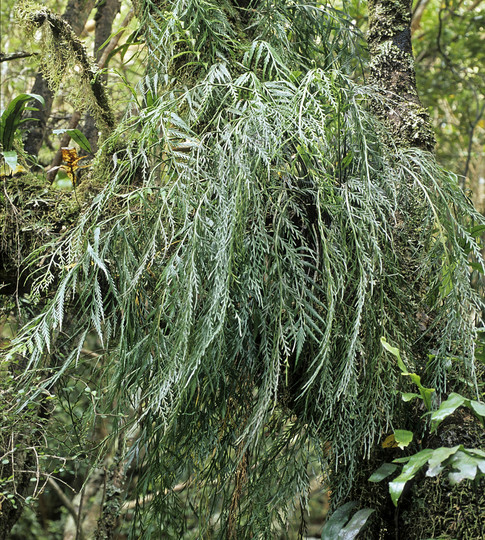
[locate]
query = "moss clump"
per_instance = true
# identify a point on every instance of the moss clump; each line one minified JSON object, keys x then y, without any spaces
{"x":65,"y":61}
{"x":32,"y":215}
{"x":439,"y":510}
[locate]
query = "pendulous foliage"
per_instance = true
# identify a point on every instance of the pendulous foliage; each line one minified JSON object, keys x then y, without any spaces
{"x":241,"y":261}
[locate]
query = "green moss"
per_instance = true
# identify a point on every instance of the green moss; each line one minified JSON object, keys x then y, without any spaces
{"x":34,"y":214}
{"x":439,"y":510}
{"x":63,"y":59}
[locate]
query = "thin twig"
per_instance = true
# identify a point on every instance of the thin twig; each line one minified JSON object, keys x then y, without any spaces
{"x":92,"y":354}
{"x":79,"y":530}
{"x":114,"y":40}
{"x":129,"y":505}
{"x":14,"y":56}
{"x":66,"y":502}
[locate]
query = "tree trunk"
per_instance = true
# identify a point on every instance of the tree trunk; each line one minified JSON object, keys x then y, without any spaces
{"x":417,"y":515}
{"x":104,"y":18}
{"x":76,"y":14}
{"x":392,"y":71}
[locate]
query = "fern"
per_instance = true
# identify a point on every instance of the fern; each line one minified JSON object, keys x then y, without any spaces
{"x":240,"y":289}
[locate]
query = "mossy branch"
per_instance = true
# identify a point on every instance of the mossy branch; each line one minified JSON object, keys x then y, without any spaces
{"x":63,"y":56}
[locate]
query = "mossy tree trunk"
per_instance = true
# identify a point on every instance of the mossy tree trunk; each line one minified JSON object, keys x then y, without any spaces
{"x":428,"y":507}
{"x":76,"y":15}
{"x":392,"y":70}
{"x":104,"y":18}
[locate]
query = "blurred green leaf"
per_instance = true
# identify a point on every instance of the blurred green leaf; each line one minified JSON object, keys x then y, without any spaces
{"x":11,"y":158}
{"x":12,"y":117}
{"x":355,"y":524}
{"x":337,"y":521}
{"x":385,"y":470}
{"x":76,"y":136}
{"x":339,"y":527}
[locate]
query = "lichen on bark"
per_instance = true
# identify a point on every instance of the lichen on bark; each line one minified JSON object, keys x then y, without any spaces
{"x":392,"y":70}
{"x":65,"y":60}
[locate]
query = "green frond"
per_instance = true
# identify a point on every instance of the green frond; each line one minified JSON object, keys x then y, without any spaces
{"x":245,"y":256}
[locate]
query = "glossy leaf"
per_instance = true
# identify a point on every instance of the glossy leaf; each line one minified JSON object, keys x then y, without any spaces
{"x":466,"y":466}
{"x":415,"y":463}
{"x":355,"y":525}
{"x":77,"y":136}
{"x":439,"y":456}
{"x":337,"y":521}
{"x":385,"y":470}
{"x":12,"y":117}
{"x":446,"y":408}
{"x":478,"y":408}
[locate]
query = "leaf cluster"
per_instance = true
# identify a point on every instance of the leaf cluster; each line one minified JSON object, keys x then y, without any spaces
{"x":242,"y":261}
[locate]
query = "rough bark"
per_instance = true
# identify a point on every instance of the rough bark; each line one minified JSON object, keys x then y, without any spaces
{"x":17,"y":449}
{"x":11,"y":509}
{"x":104,"y":18}
{"x":392,"y":71}
{"x":76,"y":15}
{"x":113,"y":496}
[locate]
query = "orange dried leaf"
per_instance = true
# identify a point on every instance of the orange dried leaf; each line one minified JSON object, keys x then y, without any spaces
{"x":69,"y":156}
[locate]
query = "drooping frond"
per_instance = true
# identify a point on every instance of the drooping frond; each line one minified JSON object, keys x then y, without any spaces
{"x":245,"y":256}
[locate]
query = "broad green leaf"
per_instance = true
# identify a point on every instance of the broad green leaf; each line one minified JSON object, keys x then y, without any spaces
{"x":11,"y":158}
{"x":396,"y":353}
{"x":389,"y":347}
{"x":446,"y":408}
{"x":382,"y":472}
{"x":404,"y":459}
{"x":466,"y":466}
{"x":478,"y":408}
{"x":355,"y":525}
{"x":476,"y":451}
{"x":76,"y":136}
{"x":403,"y":437}
{"x":337,"y":521}
{"x":436,"y":460}
{"x":425,"y":392}
{"x":409,"y":396}
{"x":409,"y":471}
{"x":12,"y":116}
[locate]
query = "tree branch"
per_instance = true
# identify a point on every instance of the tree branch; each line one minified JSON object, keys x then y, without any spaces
{"x":14,"y":56}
